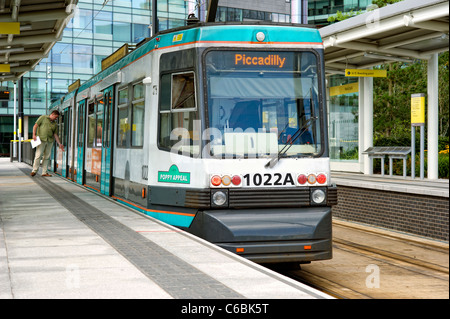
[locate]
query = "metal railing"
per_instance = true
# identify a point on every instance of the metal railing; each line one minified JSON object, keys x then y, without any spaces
{"x":26,"y":151}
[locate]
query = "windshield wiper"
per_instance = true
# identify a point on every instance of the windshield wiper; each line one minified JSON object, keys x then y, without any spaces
{"x":274,"y":160}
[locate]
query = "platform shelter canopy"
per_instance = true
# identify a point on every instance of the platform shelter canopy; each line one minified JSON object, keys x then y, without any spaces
{"x":404,"y":31}
{"x":28,"y":31}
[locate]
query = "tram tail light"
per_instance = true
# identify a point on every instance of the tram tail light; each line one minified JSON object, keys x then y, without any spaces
{"x":216,"y":180}
{"x":307,"y":247}
{"x":226,"y":180}
{"x":239,"y":250}
{"x":321,"y":178}
{"x":236,"y":180}
{"x":302,"y":179}
{"x":311,"y":178}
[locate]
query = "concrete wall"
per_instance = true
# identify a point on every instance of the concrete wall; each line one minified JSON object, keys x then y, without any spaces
{"x":423,"y":215}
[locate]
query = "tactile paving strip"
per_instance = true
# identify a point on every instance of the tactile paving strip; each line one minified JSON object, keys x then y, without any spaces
{"x":175,"y":276}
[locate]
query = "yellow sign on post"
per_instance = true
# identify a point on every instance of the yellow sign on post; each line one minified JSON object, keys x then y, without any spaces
{"x":5,"y":68}
{"x":366,"y":73}
{"x":9,"y":27}
{"x":418,"y":109}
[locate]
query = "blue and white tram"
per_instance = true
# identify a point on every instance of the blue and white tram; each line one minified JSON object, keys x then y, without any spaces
{"x":219,"y":129}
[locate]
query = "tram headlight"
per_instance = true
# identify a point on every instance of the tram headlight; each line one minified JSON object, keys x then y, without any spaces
{"x":219,"y":198}
{"x":318,"y":196}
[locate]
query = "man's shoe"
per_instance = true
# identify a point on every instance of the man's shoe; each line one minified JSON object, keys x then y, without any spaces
{"x":46,"y":175}
{"x":33,"y":173}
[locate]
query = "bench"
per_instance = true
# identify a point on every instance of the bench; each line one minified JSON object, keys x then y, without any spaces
{"x":393,"y":152}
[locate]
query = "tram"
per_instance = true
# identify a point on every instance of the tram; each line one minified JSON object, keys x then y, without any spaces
{"x":219,"y":129}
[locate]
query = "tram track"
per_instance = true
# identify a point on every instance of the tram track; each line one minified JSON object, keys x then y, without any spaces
{"x":407,"y":268}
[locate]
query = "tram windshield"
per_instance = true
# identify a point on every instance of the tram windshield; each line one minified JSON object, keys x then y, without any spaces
{"x":259,"y":102}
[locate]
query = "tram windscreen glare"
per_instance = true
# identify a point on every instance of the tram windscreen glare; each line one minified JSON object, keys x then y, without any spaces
{"x":259,"y":102}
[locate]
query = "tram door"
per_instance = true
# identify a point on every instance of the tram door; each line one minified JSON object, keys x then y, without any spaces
{"x":67,"y":119}
{"x":107,"y":137}
{"x":80,"y":141}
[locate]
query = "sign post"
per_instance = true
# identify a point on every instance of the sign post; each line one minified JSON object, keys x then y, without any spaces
{"x":417,"y":119}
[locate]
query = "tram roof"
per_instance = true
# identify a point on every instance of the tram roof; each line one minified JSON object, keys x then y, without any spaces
{"x":242,"y":33}
{"x":31,"y":28}
{"x":404,"y":31}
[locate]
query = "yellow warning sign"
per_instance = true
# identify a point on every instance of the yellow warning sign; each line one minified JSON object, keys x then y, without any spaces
{"x":418,"y":109}
{"x":367,"y":73}
{"x":344,"y":89}
{"x":5,"y":68}
{"x":9,"y":27}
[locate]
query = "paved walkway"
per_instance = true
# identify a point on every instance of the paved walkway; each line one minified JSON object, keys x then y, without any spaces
{"x":58,"y":240}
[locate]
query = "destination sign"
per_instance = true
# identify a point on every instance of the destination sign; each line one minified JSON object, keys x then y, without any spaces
{"x":241,"y":59}
{"x":116,"y":56}
{"x":256,"y":60}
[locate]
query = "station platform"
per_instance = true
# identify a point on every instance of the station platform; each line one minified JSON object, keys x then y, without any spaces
{"x":415,"y":206}
{"x":61,"y":241}
{"x":429,"y":187}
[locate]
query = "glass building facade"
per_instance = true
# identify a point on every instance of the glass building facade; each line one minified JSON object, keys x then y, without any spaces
{"x":320,"y":10}
{"x":100,"y":27}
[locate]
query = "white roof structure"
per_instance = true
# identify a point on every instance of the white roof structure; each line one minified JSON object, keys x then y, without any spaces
{"x":404,"y":31}
{"x":41,"y":26}
{"x":407,"y":30}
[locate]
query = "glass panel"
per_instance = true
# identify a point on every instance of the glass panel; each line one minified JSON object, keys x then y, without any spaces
{"x":106,"y":136}
{"x":137,"y":135}
{"x":123,"y":96}
{"x":165,"y":92}
{"x":80,"y":124}
{"x":343,"y":119}
{"x":82,"y":58}
{"x":99,"y":129}
{"x":103,"y":27}
{"x":183,"y":91}
{"x":263,"y":102}
{"x":138,"y":91}
{"x":178,"y":130}
{"x":122,"y":32}
{"x":140,"y":32}
{"x":91,"y":125}
{"x":123,"y":129}
{"x":179,"y":133}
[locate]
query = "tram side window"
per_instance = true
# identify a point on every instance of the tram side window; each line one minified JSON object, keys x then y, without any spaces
{"x":80,"y":124}
{"x":67,"y":118}
{"x":99,"y":123}
{"x":106,"y":135}
{"x":137,"y":133}
{"x":178,"y":113}
{"x":61,"y":128}
{"x":91,"y":124}
{"x":123,"y":124}
{"x":95,"y":124}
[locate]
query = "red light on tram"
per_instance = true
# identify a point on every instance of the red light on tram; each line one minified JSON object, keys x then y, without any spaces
{"x":216,"y":180}
{"x":321,"y":178}
{"x":236,"y":180}
{"x":302,"y":179}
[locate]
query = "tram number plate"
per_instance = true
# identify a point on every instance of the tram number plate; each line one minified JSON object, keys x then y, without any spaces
{"x":268,"y":180}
